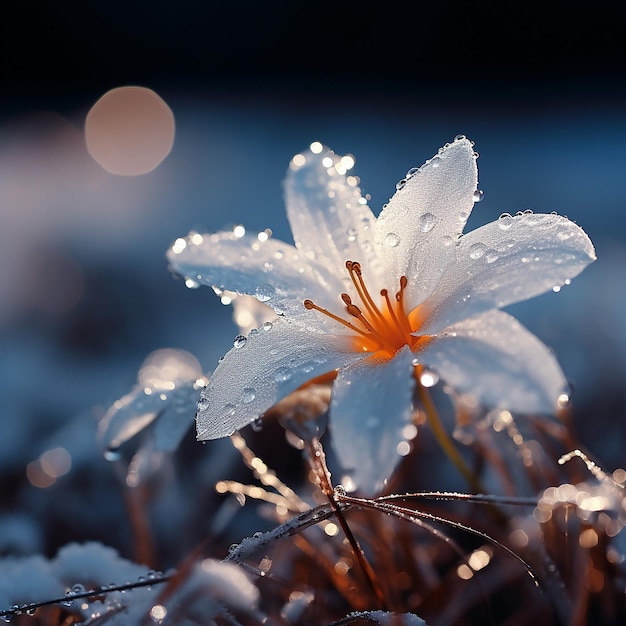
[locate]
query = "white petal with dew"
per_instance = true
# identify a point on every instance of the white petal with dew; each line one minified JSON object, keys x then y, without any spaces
{"x":330,"y":220}
{"x":128,"y":416}
{"x":501,"y":363}
{"x":370,"y":406}
{"x":177,"y":417}
{"x":507,"y":261}
{"x":266,"y":367}
{"x":272,"y":271}
{"x":417,"y":230}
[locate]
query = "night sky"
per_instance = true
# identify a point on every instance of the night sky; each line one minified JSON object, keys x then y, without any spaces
{"x":514,"y":51}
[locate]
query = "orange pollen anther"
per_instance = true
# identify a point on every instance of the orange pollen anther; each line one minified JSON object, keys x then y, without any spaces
{"x":381,"y":328}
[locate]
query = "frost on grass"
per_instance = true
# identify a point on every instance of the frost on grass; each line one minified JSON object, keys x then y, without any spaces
{"x":209,"y":590}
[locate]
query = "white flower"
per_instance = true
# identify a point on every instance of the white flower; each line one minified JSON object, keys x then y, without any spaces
{"x":376,"y":299}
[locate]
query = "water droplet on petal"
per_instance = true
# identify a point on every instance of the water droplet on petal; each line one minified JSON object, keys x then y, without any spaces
{"x":257,"y":424}
{"x":392,"y":240}
{"x":400,"y":184}
{"x":563,"y":401}
{"x":203,"y":405}
{"x":491,"y":257}
{"x":412,"y":172}
{"x":240,"y":341}
{"x":478,"y":195}
{"x":282,"y":374}
{"x":477,"y":250}
{"x":267,"y":326}
{"x":112,"y":454}
{"x":190,"y":283}
{"x":248,"y":395}
{"x":229,"y":409}
{"x":505,"y":221}
{"x":426,"y":222}
{"x":435,"y":161}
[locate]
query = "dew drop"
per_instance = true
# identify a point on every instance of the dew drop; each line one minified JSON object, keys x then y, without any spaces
{"x":263,"y":293}
{"x":435,"y":161}
{"x":248,"y":395}
{"x":429,"y":378}
{"x":478,"y":195}
{"x":491,"y":257}
{"x":282,"y":374}
{"x":112,"y":453}
{"x":240,"y":341}
{"x":351,"y":234}
{"x":505,"y":221}
{"x":339,"y":491}
{"x":267,"y":326}
{"x":563,"y":401}
{"x":257,"y":425}
{"x":477,"y":250}
{"x":400,"y":184}
{"x":203,"y":405}
{"x":563,"y":235}
{"x":190,"y":283}
{"x":392,"y":240}
{"x":426,"y":222}
{"x":412,"y":172}
{"x":229,"y":409}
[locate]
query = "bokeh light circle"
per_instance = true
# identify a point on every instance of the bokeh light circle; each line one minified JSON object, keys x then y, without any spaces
{"x":129,"y":131}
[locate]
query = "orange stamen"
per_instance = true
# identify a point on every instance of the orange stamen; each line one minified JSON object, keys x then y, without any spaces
{"x":383,"y":329}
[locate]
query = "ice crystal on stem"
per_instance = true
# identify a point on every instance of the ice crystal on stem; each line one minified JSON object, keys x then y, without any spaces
{"x":372,"y":301}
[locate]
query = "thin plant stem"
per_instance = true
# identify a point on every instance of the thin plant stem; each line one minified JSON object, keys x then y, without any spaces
{"x":319,"y":463}
{"x":443,"y":439}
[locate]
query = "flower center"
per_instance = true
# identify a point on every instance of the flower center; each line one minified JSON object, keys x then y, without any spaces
{"x":384,"y":328}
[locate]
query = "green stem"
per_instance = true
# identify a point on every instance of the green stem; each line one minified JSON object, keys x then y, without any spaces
{"x":444,"y":440}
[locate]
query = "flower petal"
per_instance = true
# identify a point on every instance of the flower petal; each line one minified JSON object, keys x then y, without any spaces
{"x":273,"y":271}
{"x":329,"y":218}
{"x":507,"y":261}
{"x":501,"y":363}
{"x":370,"y":406}
{"x":271,"y":363}
{"x":417,"y":230}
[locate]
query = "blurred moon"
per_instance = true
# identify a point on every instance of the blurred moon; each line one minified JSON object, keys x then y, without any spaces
{"x":129,"y":131}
